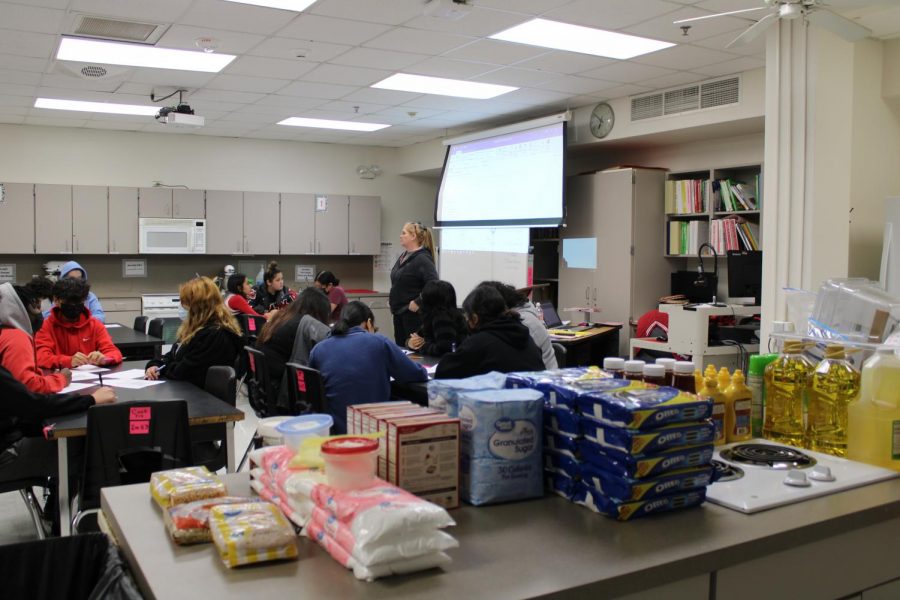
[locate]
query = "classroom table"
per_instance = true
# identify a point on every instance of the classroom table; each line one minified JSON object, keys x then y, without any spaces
{"x":203,"y":409}
{"x":415,"y":391}
{"x":130,"y":341}
{"x":590,"y":347}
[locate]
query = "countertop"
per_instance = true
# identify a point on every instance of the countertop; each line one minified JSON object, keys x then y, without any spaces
{"x":527,"y":549}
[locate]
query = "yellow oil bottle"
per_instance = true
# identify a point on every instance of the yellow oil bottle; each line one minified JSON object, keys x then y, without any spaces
{"x":724,"y":379}
{"x":738,"y":409}
{"x":833,"y":386}
{"x":786,"y":380}
{"x":873,"y":433}
{"x":711,"y":390}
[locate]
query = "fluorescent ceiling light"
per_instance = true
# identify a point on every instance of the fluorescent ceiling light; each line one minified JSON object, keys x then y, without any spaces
{"x":327,"y":124}
{"x":575,"y":38}
{"x":136,"y":55}
{"x":443,"y":87}
{"x":295,"y":5}
{"x":98,"y":107}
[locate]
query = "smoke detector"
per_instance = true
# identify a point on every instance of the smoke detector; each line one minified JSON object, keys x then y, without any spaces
{"x":452,"y":10}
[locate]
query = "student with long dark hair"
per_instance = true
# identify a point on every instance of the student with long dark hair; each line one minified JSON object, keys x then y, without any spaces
{"x":331,"y":285}
{"x":272,"y":294}
{"x":413,"y":269}
{"x":531,"y":318}
{"x":237,"y":296}
{"x":498,"y":341}
{"x":357,"y":365}
{"x":443,"y":325}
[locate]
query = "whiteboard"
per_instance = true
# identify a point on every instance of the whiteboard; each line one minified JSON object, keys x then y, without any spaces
{"x":469,"y":256}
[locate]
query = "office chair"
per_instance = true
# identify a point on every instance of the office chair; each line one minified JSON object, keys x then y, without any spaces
{"x":251,"y":326}
{"x":126,"y":443}
{"x":24,"y":487}
{"x":560,"y":351}
{"x":165,"y":328}
{"x":209,"y":442}
{"x":140,"y":323}
{"x":305,"y":389}
{"x":260,"y":391}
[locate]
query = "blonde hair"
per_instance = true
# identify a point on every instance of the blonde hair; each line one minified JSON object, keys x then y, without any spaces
{"x":205,"y":307}
{"x":423,"y":235}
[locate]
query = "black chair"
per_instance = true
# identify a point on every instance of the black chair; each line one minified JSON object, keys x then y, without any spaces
{"x":260,"y":390}
{"x":25,"y":488}
{"x":128,"y":442}
{"x":560,"y":351}
{"x":251,"y":325}
{"x":305,"y":389}
{"x":209,"y":442}
{"x":165,"y":328}
{"x":140,"y":323}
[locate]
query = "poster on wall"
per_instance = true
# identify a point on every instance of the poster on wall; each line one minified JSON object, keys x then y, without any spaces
{"x":8,"y":273}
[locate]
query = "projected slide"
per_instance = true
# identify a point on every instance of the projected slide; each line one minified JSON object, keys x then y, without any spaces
{"x":470,"y":256}
{"x":580,"y":253}
{"x":510,"y":179}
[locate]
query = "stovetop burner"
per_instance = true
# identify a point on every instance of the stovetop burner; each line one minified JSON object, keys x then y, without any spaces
{"x":768,"y":455}
{"x":726,"y":472}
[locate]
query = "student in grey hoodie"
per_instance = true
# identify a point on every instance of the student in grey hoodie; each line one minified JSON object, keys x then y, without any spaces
{"x":73,"y":270}
{"x":531,"y":318}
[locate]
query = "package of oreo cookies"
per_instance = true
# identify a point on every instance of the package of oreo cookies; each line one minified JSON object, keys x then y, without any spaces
{"x":646,"y":407}
{"x":595,"y":500}
{"x":650,"y":441}
{"x":642,"y":466}
{"x":628,"y":489}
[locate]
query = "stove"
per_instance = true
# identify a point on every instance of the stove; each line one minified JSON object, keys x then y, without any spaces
{"x":758,"y":475}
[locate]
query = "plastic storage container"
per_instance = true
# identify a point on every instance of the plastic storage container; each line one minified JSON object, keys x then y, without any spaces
{"x":350,"y":462}
{"x":295,"y":429}
{"x":615,"y":366}
{"x":268,"y":429}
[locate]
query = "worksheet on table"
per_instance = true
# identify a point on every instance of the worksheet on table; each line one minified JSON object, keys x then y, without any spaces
{"x":129,"y":374}
{"x":132,"y":384}
{"x":76,"y":387}
{"x":90,"y":369}
{"x":83,"y":376}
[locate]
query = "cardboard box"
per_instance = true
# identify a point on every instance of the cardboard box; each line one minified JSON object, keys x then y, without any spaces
{"x":423,"y":457}
{"x":379,"y":423}
{"x":354,"y":413}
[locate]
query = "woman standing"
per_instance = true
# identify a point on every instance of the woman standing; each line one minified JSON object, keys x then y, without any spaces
{"x":331,"y":285}
{"x":271,"y":293}
{"x":238,"y":294}
{"x":413,"y":269}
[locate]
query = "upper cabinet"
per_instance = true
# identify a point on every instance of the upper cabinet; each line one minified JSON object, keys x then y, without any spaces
{"x":188,"y":204}
{"x":155,"y":203}
{"x":53,"y":215}
{"x":17,"y":219}
{"x":224,"y":222}
{"x":90,"y":219}
{"x":297,"y":223}
{"x":261,"y":229}
{"x":365,"y":224}
{"x":123,"y":220}
{"x":160,"y":202}
{"x":332,"y":234}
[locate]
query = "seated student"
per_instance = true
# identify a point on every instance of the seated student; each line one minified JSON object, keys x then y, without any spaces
{"x":271,"y":293}
{"x":357,"y":366}
{"x":531,"y":318}
{"x":237,"y":297}
{"x":74,"y":270}
{"x":209,"y":336}
{"x":20,"y":316}
{"x":498,"y":340}
{"x":70,"y":336}
{"x":443,"y":325}
{"x":331,"y":285}
{"x":292,"y":333}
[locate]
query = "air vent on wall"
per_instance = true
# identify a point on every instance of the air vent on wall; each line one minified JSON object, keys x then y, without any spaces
{"x":117,"y":29}
{"x":711,"y":94}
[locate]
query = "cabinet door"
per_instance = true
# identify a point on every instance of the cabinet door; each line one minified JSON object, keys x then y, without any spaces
{"x":53,"y":215}
{"x":90,"y":219}
{"x":261,"y":223}
{"x":365,"y":224}
{"x":331,"y":225}
{"x":224,"y":222}
{"x":298,"y":224}
{"x":576,"y":284}
{"x":188,"y":204}
{"x":155,"y":202}
{"x":123,"y":220}
{"x":17,"y":219}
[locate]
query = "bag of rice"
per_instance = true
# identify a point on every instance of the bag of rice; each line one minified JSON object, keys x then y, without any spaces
{"x":189,"y":523}
{"x":178,"y":486}
{"x":251,"y":533}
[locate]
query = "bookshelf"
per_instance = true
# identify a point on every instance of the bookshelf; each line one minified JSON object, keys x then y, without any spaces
{"x":544,"y":261}
{"x":721,"y":206}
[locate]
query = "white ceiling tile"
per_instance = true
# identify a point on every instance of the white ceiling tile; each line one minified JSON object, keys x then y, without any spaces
{"x":137,"y":10}
{"x":571,"y":84}
{"x":675,"y":79}
{"x":610,"y":14}
{"x":339,"y":74}
{"x":626,"y":72}
{"x":377,"y":59}
{"x":115,"y":125}
{"x":11,"y":119}
{"x":585,"y":100}
{"x":663,"y":28}
{"x":718,"y":6}
{"x":274,"y":102}
{"x":136,"y":89}
{"x":98,"y":117}
{"x":26,"y":43}
{"x":883,"y":21}
{"x":202,"y":105}
{"x":18,"y":101}
{"x":535,"y":96}
{"x":446,"y":67}
{"x":55,"y":121}
{"x":236,"y":17}
{"x":13,"y":110}
{"x":480,"y":22}
{"x":46,"y":3}
{"x":226,"y":96}
{"x":359,"y":111}
{"x":565,"y":62}
{"x":84,"y":94}
{"x":625,"y":90}
{"x":496,"y":52}
{"x":730,"y":67}
{"x":311,"y":89}
{"x":404,"y":39}
{"x":172,"y":79}
{"x":328,"y":29}
{"x":684,"y":57}
{"x":243,"y":83}
{"x":31,"y":18}
{"x":378,"y":96}
{"x":755,"y":48}
{"x":308,"y":50}
{"x":401,"y":114}
{"x":227,"y":42}
{"x":528,"y":7}
{"x":516,"y":77}
{"x":23,"y":63}
{"x":260,"y":66}
{"x":76,"y":83}
{"x":389,"y":12}
{"x":19,"y":77}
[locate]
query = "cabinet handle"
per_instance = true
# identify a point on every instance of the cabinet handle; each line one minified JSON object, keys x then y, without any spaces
{"x":319,"y":247}
{"x":587,"y":293}
{"x":114,"y":245}
{"x":237,"y":246}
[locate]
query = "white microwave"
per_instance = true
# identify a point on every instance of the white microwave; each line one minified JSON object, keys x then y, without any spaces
{"x":172,"y":236}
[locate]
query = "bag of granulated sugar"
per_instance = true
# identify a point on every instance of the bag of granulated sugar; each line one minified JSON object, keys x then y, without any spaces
{"x":500,"y":445}
{"x":443,"y":393}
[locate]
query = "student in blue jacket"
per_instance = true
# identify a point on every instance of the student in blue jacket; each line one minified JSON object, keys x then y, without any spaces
{"x":357,"y":365}
{"x":73,"y":270}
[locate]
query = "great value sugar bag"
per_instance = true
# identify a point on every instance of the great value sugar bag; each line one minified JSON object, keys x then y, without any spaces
{"x":500,"y":445}
{"x":443,"y":393}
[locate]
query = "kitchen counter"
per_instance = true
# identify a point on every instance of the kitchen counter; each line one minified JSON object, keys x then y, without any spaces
{"x":823,"y":548}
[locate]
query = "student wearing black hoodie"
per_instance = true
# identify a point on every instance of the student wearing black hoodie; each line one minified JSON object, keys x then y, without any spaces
{"x":498,"y":340}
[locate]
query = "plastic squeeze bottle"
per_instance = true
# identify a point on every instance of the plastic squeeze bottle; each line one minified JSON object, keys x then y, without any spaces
{"x":711,"y":390}
{"x":738,"y":409}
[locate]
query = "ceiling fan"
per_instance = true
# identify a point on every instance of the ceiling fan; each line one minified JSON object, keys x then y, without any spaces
{"x":813,"y":11}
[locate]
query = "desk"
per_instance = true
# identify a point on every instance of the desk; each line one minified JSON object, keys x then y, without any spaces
{"x":416,"y":391}
{"x":591,"y":347}
{"x":551,"y":548}
{"x":203,"y":409}
{"x":132,"y":342}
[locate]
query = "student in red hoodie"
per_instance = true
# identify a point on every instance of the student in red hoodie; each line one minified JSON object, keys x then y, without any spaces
{"x":70,"y":336}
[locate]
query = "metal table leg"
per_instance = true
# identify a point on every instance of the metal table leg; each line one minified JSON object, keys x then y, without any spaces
{"x":62,"y":457}
{"x":229,"y":451}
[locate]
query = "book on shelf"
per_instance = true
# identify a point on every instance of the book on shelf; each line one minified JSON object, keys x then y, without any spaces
{"x":733,"y":234}
{"x":686,"y":237}
{"x":686,"y":196}
{"x":734,"y":196}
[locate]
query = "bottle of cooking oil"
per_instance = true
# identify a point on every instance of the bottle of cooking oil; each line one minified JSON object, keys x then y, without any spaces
{"x":711,"y":390}
{"x":786,"y":380}
{"x":738,"y":404}
{"x":833,"y":386}
{"x":724,"y":378}
{"x":873,"y":433}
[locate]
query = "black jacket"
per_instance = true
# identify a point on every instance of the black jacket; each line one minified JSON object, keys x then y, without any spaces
{"x":443,"y":331}
{"x":263,"y":302}
{"x":409,"y":276}
{"x":503,"y":345}
{"x":211,"y":346}
{"x":21,"y":409}
{"x":278,"y":348}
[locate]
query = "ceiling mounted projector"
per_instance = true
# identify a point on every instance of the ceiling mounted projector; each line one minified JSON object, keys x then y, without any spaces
{"x":179,"y":116}
{"x":447,"y":9}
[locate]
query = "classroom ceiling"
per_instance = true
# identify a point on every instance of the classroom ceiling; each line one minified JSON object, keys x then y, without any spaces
{"x":321,"y":62}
